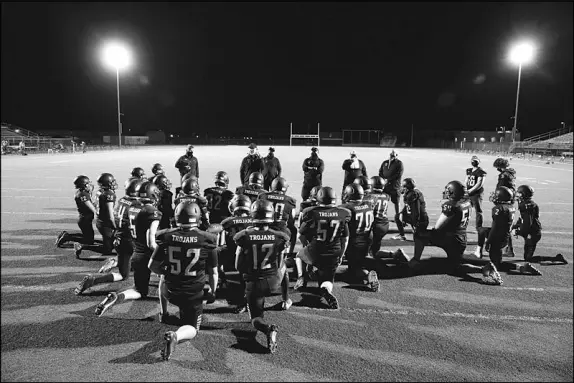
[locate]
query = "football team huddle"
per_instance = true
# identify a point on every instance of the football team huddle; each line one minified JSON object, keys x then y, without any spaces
{"x":192,"y":241}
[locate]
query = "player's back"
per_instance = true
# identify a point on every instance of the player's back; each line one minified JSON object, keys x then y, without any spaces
{"x":251,"y":191}
{"x":361,"y":222}
{"x":141,"y":219}
{"x":232,"y":226}
{"x":218,"y":199}
{"x":261,"y":251}
{"x":81,"y":197}
{"x":122,"y":216}
{"x":191,"y":198}
{"x":187,"y":252}
{"x":283,"y":205}
{"x":531,"y":209}
{"x":507,"y":178}
{"x":380,"y":206}
{"x":327,"y":225}
{"x":460,"y":213}
{"x":503,"y":214}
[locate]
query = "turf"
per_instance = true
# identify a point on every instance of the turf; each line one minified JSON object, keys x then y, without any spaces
{"x":429,"y":327}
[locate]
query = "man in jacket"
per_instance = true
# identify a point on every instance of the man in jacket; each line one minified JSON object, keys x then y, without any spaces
{"x":188,"y":163}
{"x":354,"y":168}
{"x":392,"y":172}
{"x":252,"y":163}
{"x":271,"y":168}
{"x":313,"y":168}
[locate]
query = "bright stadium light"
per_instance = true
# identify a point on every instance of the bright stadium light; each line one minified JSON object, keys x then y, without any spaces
{"x":520,"y":54}
{"x":117,"y":56}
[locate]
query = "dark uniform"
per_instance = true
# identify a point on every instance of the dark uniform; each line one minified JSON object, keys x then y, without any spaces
{"x":499,"y":235}
{"x":86,"y":216}
{"x":529,"y":227}
{"x":105,"y":223}
{"x":231,"y":226}
{"x":325,"y":228}
{"x":507,"y":178}
{"x":186,"y":254}
{"x":360,"y":226}
{"x":259,"y":263}
{"x":166,"y":207}
{"x":200,"y":201}
{"x":141,"y":219}
{"x":381,"y":222}
{"x":392,"y":172}
{"x":283,"y":205}
{"x":250,"y":164}
{"x":218,"y":199}
{"x":251,"y":191}
{"x":313,"y":168}
{"x":351,"y":174}
{"x":414,"y":212}
{"x":187,"y":164}
{"x":124,"y":238}
{"x":271,"y":170}
{"x":472,"y":176}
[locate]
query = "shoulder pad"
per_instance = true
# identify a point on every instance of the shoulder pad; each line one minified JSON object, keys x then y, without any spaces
{"x":468,"y":171}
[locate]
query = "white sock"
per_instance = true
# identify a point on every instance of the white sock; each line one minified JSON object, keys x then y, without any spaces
{"x":186,"y":332}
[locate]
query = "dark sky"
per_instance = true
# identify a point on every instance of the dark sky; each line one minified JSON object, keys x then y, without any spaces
{"x":249,"y":67}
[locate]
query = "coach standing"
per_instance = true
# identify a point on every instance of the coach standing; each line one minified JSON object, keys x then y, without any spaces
{"x":271,"y":168}
{"x":353,"y":167}
{"x":313,"y":168}
{"x":188,"y":163}
{"x":251,"y":163}
{"x":392,"y":171}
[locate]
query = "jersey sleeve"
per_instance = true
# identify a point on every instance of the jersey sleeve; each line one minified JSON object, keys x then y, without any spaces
{"x":447,"y":209}
{"x":240,"y":238}
{"x":109,"y":197}
{"x":210,"y":241}
{"x":468,"y":171}
{"x":480,"y":172}
{"x":155,"y":215}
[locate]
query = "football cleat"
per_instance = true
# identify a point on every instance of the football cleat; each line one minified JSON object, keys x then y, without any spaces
{"x":85,"y":284}
{"x":560,"y":258}
{"x":330,"y":298}
{"x":529,"y":269}
{"x":373,"y":281}
{"x":108,"y":302}
{"x":301,"y":283}
{"x":490,"y":275}
{"x":110,"y":264}
{"x":401,"y":256}
{"x":77,"y":249}
{"x":272,"y":338}
{"x":241,"y":309}
{"x":61,"y":238}
{"x":399,"y":237}
{"x":285,"y":305}
{"x":170,"y":338}
{"x":478,"y":252}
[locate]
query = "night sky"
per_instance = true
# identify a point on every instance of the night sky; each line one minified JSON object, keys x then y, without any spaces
{"x":238,"y":68}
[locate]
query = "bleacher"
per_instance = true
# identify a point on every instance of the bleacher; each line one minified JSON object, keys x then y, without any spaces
{"x":556,"y":142}
{"x":13,"y":135}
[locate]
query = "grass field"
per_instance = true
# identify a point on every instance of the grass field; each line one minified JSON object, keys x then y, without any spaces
{"x":430,"y":327}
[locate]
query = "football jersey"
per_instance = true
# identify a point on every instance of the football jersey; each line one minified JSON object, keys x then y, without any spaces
{"x":460,"y":213}
{"x":410,"y":200}
{"x":380,"y":206}
{"x":262,"y":250}
{"x":122,"y":217}
{"x":361,"y":221}
{"x":200,"y":201}
{"x":502,"y":219}
{"x":327,"y":225}
{"x":530,"y":213}
{"x":105,"y":196}
{"x":472,"y":176}
{"x":507,"y":178}
{"x":218,"y":199}
{"x":166,"y":207}
{"x":141,"y":219}
{"x":251,"y":191}
{"x":232,"y":226}
{"x":282,"y":204}
{"x":187,"y":254}
{"x":304,"y":205}
{"x":81,"y":198}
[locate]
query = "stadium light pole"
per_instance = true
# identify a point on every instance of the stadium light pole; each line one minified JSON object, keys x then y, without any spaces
{"x":117,"y":56}
{"x":520,"y":54}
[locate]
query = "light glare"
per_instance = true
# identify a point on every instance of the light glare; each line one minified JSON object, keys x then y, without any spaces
{"x":522,"y":53}
{"x":116,"y":56}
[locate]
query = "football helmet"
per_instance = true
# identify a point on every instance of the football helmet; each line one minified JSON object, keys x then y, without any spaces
{"x":279,"y":184}
{"x":454,"y":191}
{"x":132,"y":187}
{"x":221,"y":179}
{"x":215,"y":228}
{"x":162,"y":182}
{"x":107,"y":181}
{"x":240,"y":203}
{"x":326,"y":196}
{"x":188,"y":176}
{"x":313,"y":193}
{"x":157,"y":169}
{"x":524,"y":193}
{"x":138,"y":172}
{"x":365,"y":183}
{"x":187,"y":214}
{"x":378,"y":183}
{"x":82,"y":182}
{"x":256,"y":178}
{"x":502,"y":194}
{"x":262,"y":211}
{"x":353,"y":192}
{"x":190,"y":186}
{"x":501,"y":163}
{"x":149,"y":192}
{"x":407,"y":184}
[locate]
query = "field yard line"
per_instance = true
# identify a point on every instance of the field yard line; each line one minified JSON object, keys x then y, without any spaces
{"x":58,"y":162}
{"x":33,"y":213}
{"x":20,"y":189}
{"x":552,"y":182}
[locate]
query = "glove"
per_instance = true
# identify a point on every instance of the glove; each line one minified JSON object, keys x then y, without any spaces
{"x":487,"y":246}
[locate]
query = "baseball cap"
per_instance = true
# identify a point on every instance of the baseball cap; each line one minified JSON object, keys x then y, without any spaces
{"x":189,"y":146}
{"x":252,"y":145}
{"x":271,"y":149}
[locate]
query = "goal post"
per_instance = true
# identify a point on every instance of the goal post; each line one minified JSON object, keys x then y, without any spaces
{"x":309,"y":138}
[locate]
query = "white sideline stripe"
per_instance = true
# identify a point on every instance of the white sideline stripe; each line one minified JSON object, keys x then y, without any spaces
{"x":552,"y":182}
{"x":34,"y":213}
{"x":59,"y":162}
